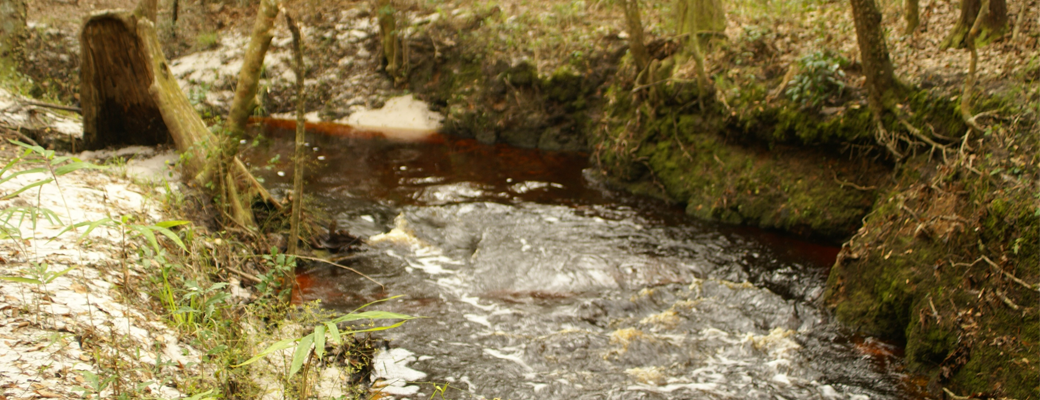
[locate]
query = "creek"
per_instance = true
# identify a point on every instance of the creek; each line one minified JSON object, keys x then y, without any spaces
{"x":537,"y":281}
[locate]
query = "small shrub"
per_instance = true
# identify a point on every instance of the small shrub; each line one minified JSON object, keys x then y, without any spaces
{"x":819,"y":78}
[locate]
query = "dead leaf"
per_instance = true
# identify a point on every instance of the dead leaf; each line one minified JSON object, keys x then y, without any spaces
{"x":48,"y":394}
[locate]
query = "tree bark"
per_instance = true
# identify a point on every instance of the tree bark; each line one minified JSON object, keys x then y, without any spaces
{"x":392,"y":51}
{"x":12,"y":34}
{"x":249,"y":77}
{"x":700,"y":20}
{"x":116,"y":78}
{"x":636,"y":44}
{"x":913,"y":16}
{"x":881,"y":84}
{"x":130,"y":96}
{"x":992,"y":26}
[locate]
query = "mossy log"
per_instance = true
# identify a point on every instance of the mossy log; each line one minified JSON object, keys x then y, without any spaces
{"x":130,"y":97}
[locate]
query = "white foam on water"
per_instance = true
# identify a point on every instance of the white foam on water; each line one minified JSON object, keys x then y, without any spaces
{"x":480,"y":319}
{"x":514,"y":357}
{"x":402,"y":117}
{"x":391,"y":372}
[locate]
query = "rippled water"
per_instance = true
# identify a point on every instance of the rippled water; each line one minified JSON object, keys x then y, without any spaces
{"x":538,"y":282}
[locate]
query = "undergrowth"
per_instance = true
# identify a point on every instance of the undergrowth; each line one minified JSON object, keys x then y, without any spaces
{"x":188,"y":279}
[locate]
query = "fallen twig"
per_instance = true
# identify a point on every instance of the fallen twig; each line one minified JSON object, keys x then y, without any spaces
{"x":934,"y":312}
{"x":344,"y":267}
{"x":956,"y":397}
{"x":246,"y":275}
{"x":852,"y":185}
{"x":1007,"y":301}
{"x":1008,"y":274}
{"x":54,"y":106}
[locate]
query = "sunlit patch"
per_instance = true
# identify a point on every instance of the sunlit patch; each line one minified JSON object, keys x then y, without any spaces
{"x":667,"y":319}
{"x":625,"y":337}
{"x":649,"y":375}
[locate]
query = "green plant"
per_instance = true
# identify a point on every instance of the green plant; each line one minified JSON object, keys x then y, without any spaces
{"x":39,"y":275}
{"x":197,"y":93}
{"x":53,"y":165}
{"x":819,"y":78}
{"x":207,"y":41}
{"x":328,"y":330}
{"x":280,"y":265}
{"x":93,"y":385}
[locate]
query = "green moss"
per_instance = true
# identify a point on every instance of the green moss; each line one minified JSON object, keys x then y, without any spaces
{"x":930,"y":343}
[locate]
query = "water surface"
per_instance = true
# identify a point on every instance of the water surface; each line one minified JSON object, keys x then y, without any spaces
{"x":539,"y":282}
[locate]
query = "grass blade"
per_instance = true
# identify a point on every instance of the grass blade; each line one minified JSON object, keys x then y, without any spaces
{"x":334,"y":333}
{"x":319,"y":341}
{"x":302,"y":350}
{"x":20,"y":280}
{"x":173,"y":236}
{"x":281,"y":345}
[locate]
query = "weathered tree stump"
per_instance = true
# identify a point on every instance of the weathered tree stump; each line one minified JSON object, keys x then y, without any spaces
{"x":116,"y":78}
{"x":130,"y":97}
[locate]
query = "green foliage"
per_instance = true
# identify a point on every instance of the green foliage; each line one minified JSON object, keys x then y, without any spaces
{"x":93,"y":385}
{"x":279,"y":266}
{"x":328,"y":330}
{"x":819,"y":78}
{"x":207,"y":41}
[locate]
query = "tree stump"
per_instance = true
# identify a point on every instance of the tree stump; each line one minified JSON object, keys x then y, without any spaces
{"x":130,"y":97}
{"x":116,"y":77}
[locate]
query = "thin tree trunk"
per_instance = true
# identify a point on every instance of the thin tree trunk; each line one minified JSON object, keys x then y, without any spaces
{"x":388,"y":35}
{"x":12,"y":34}
{"x":636,"y":44}
{"x":249,"y":76}
{"x":877,"y":66}
{"x":969,"y":81}
{"x":991,"y":27}
{"x":913,"y":16}
{"x":297,"y":200}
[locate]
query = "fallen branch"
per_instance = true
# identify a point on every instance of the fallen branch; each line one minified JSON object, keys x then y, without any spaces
{"x":342,"y":266}
{"x":1007,"y":301}
{"x":853,"y":185}
{"x":1008,"y":274}
{"x":246,"y":275}
{"x":53,"y":106}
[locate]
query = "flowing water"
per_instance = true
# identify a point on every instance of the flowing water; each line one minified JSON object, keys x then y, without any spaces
{"x":538,"y":282}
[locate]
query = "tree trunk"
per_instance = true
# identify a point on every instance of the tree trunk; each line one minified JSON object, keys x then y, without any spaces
{"x":882,"y":85}
{"x":700,"y":20}
{"x":130,"y":96}
{"x":389,"y":38}
{"x":636,"y":44}
{"x":992,"y":25}
{"x":298,"y":156}
{"x":116,"y":78}
{"x":249,"y":76}
{"x":913,"y":16}
{"x":12,"y":34}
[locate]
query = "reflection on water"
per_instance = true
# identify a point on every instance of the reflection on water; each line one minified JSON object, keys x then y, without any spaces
{"x":540,"y":283}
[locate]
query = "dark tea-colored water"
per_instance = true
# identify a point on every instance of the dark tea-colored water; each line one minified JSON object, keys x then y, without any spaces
{"x":540,"y":282}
